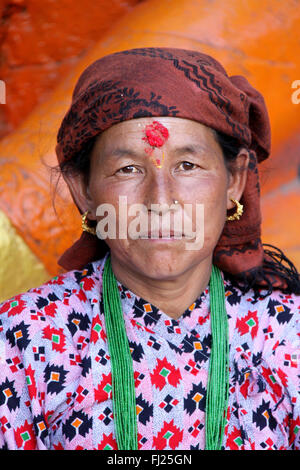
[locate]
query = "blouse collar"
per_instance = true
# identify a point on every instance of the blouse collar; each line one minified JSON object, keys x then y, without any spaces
{"x":147,"y":315}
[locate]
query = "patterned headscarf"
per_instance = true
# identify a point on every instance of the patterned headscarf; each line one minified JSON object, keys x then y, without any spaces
{"x":180,"y":83}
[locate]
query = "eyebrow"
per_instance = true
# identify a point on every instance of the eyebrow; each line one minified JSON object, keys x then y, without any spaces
{"x":122,"y":152}
{"x":192,"y":148}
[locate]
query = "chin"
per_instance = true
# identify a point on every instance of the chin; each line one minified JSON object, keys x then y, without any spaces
{"x":162,"y":262}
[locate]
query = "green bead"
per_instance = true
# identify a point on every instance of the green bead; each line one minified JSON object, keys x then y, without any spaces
{"x":123,"y":389}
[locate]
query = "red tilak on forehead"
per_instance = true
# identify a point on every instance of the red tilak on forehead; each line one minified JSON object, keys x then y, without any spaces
{"x":156,"y":135}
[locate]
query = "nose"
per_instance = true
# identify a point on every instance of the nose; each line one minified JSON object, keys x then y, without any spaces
{"x":159,"y":191}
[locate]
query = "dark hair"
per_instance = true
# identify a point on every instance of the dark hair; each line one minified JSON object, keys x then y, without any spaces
{"x":230,"y":148}
{"x":276,"y":264}
{"x":80,"y":164}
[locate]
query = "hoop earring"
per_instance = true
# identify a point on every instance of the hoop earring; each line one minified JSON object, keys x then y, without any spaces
{"x":84,"y":225}
{"x":239,"y":211}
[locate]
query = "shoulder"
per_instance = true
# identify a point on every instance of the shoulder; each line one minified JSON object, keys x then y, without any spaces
{"x":262,"y":320}
{"x":69,"y":293}
{"x":277,"y":310}
{"x":277,"y":306}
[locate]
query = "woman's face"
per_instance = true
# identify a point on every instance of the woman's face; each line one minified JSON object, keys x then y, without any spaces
{"x":156,"y":161}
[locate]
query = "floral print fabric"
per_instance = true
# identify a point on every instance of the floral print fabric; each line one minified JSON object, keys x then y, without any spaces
{"x":55,"y":375}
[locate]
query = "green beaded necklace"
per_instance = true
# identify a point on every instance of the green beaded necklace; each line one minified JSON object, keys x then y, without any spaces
{"x":123,"y":389}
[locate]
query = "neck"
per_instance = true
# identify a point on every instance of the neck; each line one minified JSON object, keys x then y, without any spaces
{"x":173,"y":296}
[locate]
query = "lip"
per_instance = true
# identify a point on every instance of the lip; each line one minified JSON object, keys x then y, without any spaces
{"x":161,"y":240}
{"x":174,"y":236}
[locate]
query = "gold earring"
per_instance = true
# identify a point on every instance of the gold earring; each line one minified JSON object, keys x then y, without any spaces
{"x":239,"y":210}
{"x":85,"y":226}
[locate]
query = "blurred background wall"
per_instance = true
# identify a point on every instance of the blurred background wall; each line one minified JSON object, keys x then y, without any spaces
{"x":44,"y":48}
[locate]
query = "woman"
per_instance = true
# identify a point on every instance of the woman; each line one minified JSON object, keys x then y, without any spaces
{"x":159,"y":335}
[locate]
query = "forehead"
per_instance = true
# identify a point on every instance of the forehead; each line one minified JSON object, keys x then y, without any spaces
{"x":178,"y":130}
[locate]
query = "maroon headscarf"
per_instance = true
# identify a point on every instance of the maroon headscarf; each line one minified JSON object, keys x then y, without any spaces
{"x":180,"y":83}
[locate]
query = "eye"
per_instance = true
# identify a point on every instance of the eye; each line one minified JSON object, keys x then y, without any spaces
{"x":128,"y":169}
{"x":187,"y":166}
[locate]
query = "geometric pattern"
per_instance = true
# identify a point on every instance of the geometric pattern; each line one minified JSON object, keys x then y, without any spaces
{"x":108,"y":442}
{"x":15,"y":364}
{"x":40,"y":426}
{"x":136,"y":350}
{"x":39,"y":353}
{"x":280,"y":311}
{"x":169,"y":435}
{"x":56,"y":385}
{"x":8,"y":395}
{"x":196,"y":428}
{"x":104,"y":389}
{"x":192,"y":367}
{"x":168,"y":403}
{"x":56,"y":337}
{"x":153,"y":343}
{"x":144,"y":410}
{"x":77,"y":322}
{"x":25,"y":437}
{"x":18,"y":336}
{"x":248,"y":324}
{"x":102,"y":357}
{"x":106,"y":416}
{"x":164,"y":373}
{"x":263,"y":417}
{"x":196,"y":399}
{"x":78,"y":423}
{"x":55,"y":377}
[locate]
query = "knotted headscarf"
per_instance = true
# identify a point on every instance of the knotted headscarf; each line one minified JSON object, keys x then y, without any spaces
{"x":180,"y":83}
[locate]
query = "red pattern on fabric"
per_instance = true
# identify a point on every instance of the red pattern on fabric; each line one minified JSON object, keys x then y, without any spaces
{"x":67,"y":393}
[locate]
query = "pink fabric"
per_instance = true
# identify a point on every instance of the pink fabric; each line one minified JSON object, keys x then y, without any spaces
{"x":55,"y":374}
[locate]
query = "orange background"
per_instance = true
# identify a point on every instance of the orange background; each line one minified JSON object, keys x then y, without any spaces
{"x":46,"y":45}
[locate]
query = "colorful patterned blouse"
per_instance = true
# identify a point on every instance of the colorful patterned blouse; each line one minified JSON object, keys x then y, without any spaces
{"x":55,"y":375}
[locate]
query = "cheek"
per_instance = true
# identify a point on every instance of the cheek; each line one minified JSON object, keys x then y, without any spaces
{"x":108,"y":192}
{"x":115,"y":199}
{"x":211,"y":193}
{"x":215,"y":214}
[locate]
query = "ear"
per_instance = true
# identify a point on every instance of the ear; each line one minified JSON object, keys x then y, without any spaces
{"x":79,"y":190}
{"x":237,"y":177}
